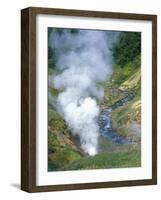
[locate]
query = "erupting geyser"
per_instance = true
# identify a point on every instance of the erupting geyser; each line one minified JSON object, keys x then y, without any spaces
{"x":83,"y":62}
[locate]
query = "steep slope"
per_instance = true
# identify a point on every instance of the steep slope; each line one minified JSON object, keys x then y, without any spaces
{"x":127,"y":119}
{"x":62,"y":146}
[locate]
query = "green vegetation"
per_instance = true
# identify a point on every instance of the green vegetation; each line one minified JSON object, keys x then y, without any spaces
{"x":121,"y":74}
{"x":127,"y":120}
{"x":62,"y":147}
{"x":123,"y":79}
{"x":127,"y":48}
{"x":54,"y":92}
{"x":62,"y":157}
{"x":104,"y":160}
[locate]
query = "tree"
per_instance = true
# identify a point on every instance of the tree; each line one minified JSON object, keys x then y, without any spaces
{"x":127,"y":47}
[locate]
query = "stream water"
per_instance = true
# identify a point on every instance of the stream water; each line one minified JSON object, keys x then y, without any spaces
{"x":105,"y":122}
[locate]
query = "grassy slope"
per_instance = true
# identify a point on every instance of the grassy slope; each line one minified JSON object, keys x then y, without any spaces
{"x":108,"y":160}
{"x":62,"y":147}
{"x":127,"y":78}
{"x":127,"y":119}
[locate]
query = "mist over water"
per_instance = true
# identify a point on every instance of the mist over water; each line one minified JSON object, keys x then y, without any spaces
{"x":83,"y":62}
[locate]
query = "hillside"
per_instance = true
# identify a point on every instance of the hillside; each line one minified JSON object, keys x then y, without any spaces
{"x":62,"y":146}
{"x":127,"y":119}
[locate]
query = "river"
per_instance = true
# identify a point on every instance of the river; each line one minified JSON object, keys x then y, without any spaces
{"x":105,"y":122}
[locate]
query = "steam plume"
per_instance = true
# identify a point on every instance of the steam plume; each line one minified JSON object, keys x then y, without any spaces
{"x":83,"y":62}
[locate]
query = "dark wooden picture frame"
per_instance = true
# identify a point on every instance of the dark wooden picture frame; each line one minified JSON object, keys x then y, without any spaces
{"x":28,"y":98}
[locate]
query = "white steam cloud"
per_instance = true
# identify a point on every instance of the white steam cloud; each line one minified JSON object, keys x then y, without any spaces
{"x":83,"y":62}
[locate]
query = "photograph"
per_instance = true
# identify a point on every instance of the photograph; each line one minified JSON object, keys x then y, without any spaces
{"x":89,"y":99}
{"x":94,"y":99}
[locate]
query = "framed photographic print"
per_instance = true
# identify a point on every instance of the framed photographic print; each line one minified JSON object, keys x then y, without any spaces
{"x":88,"y":99}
